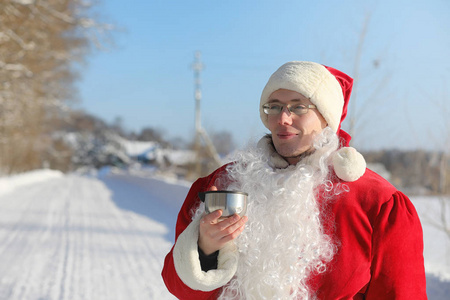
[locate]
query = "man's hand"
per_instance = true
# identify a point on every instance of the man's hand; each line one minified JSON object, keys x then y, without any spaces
{"x":215,"y":233}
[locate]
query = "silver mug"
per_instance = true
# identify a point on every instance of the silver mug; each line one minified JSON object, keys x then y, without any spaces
{"x":230,"y":202}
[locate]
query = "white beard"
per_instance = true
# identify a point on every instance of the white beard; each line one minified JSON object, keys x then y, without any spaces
{"x":283,"y":243}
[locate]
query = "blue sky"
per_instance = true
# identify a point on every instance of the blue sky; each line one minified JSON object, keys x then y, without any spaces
{"x":146,"y":79}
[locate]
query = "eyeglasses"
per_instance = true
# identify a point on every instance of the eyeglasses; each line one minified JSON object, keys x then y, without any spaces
{"x":276,"y":108}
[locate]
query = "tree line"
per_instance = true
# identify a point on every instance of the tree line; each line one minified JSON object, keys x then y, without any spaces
{"x":414,"y":171}
{"x":40,"y":44}
{"x":43,"y":46}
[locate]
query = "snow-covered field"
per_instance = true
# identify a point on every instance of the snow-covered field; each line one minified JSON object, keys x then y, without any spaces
{"x":104,"y":236}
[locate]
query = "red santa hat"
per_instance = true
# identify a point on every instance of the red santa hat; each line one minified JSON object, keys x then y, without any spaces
{"x":329,"y":89}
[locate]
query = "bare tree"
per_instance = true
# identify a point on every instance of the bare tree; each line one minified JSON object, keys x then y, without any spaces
{"x":223,"y":141}
{"x":444,"y":168}
{"x":356,"y":70}
{"x":40,"y":40}
{"x":441,"y":220}
{"x":361,"y":102}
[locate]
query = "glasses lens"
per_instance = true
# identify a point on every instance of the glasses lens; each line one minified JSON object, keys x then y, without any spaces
{"x":272,"y":109}
{"x":275,"y":109}
{"x":299,"y":109}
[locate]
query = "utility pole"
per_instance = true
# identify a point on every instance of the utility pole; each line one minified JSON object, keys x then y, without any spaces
{"x":200,"y":133}
{"x":197,"y":66}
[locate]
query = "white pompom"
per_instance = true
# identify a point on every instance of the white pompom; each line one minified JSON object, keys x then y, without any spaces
{"x":349,"y":164}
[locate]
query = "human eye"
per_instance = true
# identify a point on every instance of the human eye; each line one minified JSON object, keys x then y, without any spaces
{"x":273,"y":108}
{"x":299,"y":109}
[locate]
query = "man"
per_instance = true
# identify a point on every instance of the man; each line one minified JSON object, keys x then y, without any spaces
{"x":318,"y":225}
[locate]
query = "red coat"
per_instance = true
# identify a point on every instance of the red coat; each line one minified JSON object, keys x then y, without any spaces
{"x":379,"y":238}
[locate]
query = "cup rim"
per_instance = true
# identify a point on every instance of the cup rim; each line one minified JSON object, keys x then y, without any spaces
{"x":203,"y":194}
{"x":225,"y":192}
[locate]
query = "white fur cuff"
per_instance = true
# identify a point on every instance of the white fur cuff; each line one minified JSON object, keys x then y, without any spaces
{"x":187,"y":262}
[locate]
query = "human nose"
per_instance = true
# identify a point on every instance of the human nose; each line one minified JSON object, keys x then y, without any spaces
{"x":285,"y":117}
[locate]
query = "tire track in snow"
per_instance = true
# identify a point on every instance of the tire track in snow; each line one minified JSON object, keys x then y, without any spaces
{"x":151,"y":199}
{"x":67,"y":239}
{"x":144,"y":253}
{"x":30,"y":233}
{"x":65,"y":243}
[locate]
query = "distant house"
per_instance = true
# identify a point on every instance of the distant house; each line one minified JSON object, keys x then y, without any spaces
{"x":153,"y":153}
{"x":139,"y":150}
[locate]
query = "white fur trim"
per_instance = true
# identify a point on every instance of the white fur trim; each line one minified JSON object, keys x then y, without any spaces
{"x":187,"y":262}
{"x":313,"y":81}
{"x":349,"y":164}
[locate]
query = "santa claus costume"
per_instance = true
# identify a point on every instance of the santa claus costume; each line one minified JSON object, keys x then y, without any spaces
{"x":325,"y":228}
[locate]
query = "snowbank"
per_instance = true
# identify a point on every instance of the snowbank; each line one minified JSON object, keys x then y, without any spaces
{"x":10,"y":183}
{"x":433,"y":212}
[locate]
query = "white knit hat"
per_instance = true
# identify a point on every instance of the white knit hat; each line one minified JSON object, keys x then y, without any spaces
{"x":329,"y":89}
{"x":313,"y":81}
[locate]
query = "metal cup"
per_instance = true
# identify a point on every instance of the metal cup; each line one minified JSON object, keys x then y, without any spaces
{"x":229,"y":202}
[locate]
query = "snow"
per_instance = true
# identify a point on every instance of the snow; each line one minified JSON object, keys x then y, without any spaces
{"x":8,"y":184}
{"x":177,"y":157}
{"x":104,"y":235}
{"x":136,"y":148}
{"x":436,"y":242}
{"x":79,"y":237}
{"x":154,"y":151}
{"x":24,"y":2}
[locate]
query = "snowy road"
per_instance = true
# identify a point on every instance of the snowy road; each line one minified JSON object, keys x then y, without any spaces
{"x":76,"y":238}
{"x":85,"y":238}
